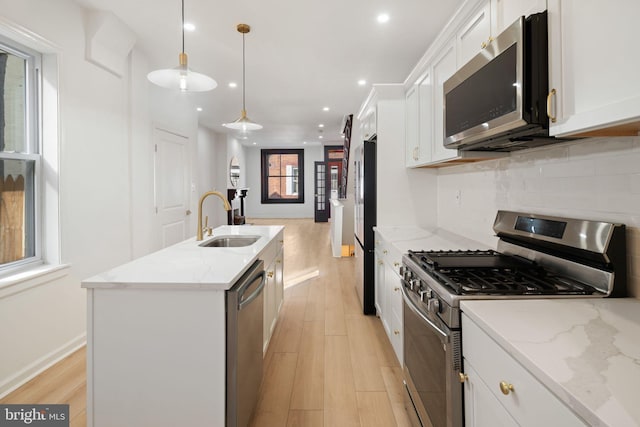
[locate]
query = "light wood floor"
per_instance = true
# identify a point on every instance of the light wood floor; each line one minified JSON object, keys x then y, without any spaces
{"x":327,"y":364}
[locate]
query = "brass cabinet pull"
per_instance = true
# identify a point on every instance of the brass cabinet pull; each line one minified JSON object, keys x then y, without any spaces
{"x":396,"y":289}
{"x":270,"y":274}
{"x":551,"y":94}
{"x":396,"y":264}
{"x":483,"y":45}
{"x":506,"y":388}
{"x":385,"y":251}
{"x":462,"y":377}
{"x":396,"y":332}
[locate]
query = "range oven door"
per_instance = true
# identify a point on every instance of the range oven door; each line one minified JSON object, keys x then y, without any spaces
{"x":432,"y":363}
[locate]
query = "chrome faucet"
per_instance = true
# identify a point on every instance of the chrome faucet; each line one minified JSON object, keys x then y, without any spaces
{"x":227,"y":207}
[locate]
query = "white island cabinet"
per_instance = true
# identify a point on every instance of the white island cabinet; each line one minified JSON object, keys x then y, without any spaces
{"x":156,"y":331}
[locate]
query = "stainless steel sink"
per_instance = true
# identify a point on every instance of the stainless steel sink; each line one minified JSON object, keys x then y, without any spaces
{"x":236,"y":241}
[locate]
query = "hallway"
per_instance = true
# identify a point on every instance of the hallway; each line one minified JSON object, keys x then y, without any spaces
{"x":327,"y":363}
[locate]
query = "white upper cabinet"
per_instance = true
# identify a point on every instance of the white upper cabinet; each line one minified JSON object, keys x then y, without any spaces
{"x":488,"y":22}
{"x":593,"y":67}
{"x":474,"y":35}
{"x":419,"y":122}
{"x":412,"y":132}
{"x":505,"y":12}
{"x":443,"y":67}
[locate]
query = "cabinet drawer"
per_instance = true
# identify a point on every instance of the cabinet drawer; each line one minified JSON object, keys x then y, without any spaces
{"x":495,"y":366}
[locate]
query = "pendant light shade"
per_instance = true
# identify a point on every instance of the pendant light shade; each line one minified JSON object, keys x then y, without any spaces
{"x":243,"y":124}
{"x":181,"y":77}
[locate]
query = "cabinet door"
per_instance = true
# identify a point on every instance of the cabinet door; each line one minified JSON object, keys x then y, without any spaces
{"x":474,"y":36}
{"x":443,"y":67}
{"x":425,"y":120}
{"x":269,"y":314}
{"x":412,"y":135}
{"x":593,"y":65}
{"x":380,"y":290}
{"x":278,"y":285}
{"x":481,"y":408}
{"x":505,"y":12}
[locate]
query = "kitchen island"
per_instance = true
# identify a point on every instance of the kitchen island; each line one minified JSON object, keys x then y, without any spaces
{"x":156,"y":331}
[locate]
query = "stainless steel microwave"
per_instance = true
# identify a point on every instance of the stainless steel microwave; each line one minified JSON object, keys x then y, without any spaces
{"x":497,"y":101}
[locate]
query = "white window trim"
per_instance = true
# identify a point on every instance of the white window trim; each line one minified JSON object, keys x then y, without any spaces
{"x":47,"y":207}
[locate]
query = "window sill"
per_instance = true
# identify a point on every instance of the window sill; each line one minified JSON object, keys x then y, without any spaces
{"x":31,"y":278}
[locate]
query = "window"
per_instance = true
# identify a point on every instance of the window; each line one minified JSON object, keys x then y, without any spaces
{"x":282,"y":176}
{"x":19,"y":156}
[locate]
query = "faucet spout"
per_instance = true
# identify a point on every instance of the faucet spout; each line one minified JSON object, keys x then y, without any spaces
{"x":227,"y":207}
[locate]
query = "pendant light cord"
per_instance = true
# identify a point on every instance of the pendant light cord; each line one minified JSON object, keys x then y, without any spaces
{"x":182,"y":26}
{"x":243,"y":75}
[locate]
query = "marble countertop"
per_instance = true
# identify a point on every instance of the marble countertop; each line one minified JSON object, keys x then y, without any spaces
{"x":188,"y":265}
{"x":586,"y":351}
{"x":416,"y":238}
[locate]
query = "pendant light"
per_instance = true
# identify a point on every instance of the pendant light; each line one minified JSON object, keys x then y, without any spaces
{"x":243,"y":124}
{"x":181,"y":77}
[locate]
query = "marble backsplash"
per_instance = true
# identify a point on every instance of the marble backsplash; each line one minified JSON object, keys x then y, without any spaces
{"x":594,"y":178}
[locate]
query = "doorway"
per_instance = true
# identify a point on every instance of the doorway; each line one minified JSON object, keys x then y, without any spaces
{"x":171,"y":185}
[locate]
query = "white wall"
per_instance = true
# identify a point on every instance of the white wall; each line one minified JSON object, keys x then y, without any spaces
{"x":591,"y":178}
{"x":253,"y":206}
{"x":211,"y":174}
{"x":105,"y":189}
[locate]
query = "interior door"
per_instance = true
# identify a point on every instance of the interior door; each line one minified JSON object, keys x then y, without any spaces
{"x":321,"y":206}
{"x":171,"y":185}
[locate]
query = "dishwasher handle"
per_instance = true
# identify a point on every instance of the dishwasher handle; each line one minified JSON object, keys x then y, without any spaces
{"x":244,"y":302}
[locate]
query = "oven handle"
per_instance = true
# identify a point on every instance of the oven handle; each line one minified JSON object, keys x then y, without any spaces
{"x":445,"y":337}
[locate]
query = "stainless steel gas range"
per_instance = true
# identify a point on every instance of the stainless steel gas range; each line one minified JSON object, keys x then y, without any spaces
{"x":538,"y":256}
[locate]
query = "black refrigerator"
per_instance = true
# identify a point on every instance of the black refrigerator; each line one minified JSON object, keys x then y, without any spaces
{"x":365,"y":220}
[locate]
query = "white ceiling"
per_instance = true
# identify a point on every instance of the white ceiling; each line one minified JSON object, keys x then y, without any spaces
{"x":300,"y":55}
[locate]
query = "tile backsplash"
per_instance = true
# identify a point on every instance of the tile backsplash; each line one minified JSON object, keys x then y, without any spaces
{"x":593,"y":178}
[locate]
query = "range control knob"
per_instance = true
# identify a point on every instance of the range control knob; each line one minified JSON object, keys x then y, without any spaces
{"x":403,"y":270}
{"x":433,"y":305}
{"x":414,"y":284}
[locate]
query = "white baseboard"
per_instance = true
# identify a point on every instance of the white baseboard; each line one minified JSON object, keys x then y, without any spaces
{"x":7,"y":385}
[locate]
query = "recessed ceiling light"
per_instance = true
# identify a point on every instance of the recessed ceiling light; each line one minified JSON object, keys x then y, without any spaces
{"x":233,"y":85}
{"x":362,"y":82}
{"x":321,"y":125}
{"x":188,"y":26}
{"x":255,"y":143}
{"x":321,"y":137}
{"x":382,"y":18}
{"x":304,"y":142}
{"x":326,"y":109}
{"x":199,"y":109}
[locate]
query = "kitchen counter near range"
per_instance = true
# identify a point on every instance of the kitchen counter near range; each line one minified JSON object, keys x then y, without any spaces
{"x":405,"y":238}
{"x":586,"y":351}
{"x":188,"y":265}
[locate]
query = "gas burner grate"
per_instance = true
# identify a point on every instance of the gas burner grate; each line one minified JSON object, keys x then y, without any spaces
{"x":487,"y":272}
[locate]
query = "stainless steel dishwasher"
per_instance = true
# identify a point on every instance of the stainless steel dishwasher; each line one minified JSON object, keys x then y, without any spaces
{"x":244,"y":304}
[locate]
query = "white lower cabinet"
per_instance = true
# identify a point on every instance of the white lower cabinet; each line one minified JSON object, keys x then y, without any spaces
{"x":388,"y":294}
{"x":481,"y":407}
{"x":273,"y":288}
{"x":499,"y":389}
